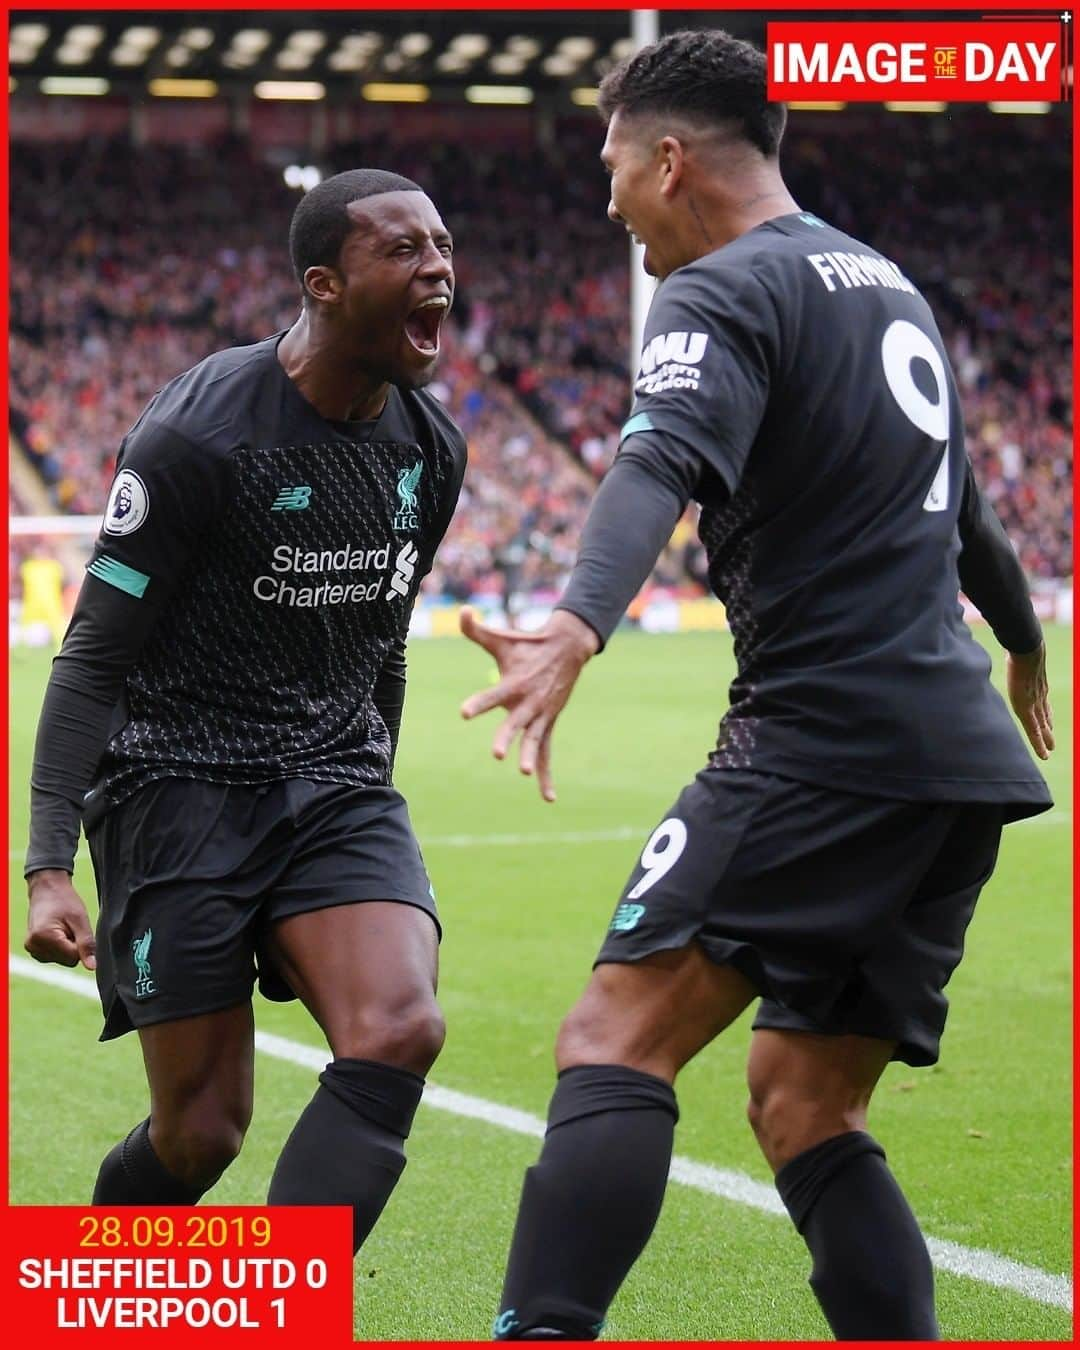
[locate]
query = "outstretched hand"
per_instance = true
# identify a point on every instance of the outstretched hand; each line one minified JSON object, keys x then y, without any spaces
{"x":58,"y":928}
{"x":537,"y":673}
{"x":1029,"y":694}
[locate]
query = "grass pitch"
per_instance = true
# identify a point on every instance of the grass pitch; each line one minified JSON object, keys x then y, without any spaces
{"x":981,"y":1142}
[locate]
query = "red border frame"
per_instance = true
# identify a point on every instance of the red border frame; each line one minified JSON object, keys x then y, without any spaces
{"x":987,"y":8}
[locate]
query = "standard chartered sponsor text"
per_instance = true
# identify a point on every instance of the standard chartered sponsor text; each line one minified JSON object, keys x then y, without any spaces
{"x":313,"y":587}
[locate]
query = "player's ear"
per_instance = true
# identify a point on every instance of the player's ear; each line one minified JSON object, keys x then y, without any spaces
{"x":672,"y":157}
{"x":324,"y":284}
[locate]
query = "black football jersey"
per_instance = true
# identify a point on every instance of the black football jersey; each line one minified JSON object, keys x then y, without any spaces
{"x":808,"y":373}
{"x":287,"y":551}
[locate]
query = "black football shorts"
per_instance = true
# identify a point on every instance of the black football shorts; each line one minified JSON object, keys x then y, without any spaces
{"x":190,"y":875}
{"x":846,"y":912}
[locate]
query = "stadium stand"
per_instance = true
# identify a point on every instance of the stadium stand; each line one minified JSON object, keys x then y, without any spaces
{"x":130,"y":264}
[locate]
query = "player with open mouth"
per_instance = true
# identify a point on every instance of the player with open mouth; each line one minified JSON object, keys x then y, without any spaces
{"x":424,"y":324}
{"x":225,"y":713}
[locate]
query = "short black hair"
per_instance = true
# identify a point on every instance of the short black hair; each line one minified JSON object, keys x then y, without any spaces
{"x":321,"y":220}
{"x":708,"y":76}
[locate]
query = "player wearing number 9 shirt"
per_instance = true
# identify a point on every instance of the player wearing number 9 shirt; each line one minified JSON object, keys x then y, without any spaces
{"x":828,"y":858}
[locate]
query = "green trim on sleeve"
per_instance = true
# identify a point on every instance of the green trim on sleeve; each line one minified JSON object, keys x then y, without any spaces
{"x":118,"y":574}
{"x":641,"y":422}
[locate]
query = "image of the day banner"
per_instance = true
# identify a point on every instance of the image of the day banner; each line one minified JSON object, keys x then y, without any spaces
{"x":1011,"y":59}
{"x":166,"y":1276}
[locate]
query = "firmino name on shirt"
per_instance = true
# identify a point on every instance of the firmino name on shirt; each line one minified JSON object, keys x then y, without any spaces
{"x":858,"y":269}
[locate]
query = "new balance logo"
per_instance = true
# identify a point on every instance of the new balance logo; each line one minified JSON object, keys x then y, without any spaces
{"x":627,"y":917}
{"x":292,"y":499}
{"x":505,"y":1324}
{"x":404,"y":569}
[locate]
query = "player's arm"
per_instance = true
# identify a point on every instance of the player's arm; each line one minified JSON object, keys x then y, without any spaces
{"x":107,"y":632}
{"x":164,"y":496}
{"x":685,"y":419}
{"x":711,"y":344}
{"x":992,"y":578}
{"x":388,"y":694}
{"x":632,"y":517}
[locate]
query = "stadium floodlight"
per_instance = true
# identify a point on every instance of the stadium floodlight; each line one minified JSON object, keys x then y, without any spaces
{"x":1028,"y":108}
{"x":344,"y":60}
{"x":177,"y":56}
{"x":393,"y":62}
{"x":470,"y":44}
{"x":289,"y":58}
{"x":85,"y":34}
{"x":907,"y":106}
{"x":166,"y":88}
{"x":29,"y":34}
{"x":300,"y":91}
{"x":526,"y":47}
{"x":306,"y":40}
{"x":499,"y":93}
{"x":414,"y":44}
{"x":451,"y":62}
{"x":198,"y":39}
{"x":506,"y":63}
{"x":578,"y":48}
{"x":362,"y":42}
{"x":72,"y":56}
{"x":252,"y":40}
{"x":140,"y":36}
{"x":73,"y":84}
{"x":383,"y":92}
{"x":558,"y":64}
{"x":585,"y":97}
{"x":127,"y":56}
{"x":623,"y":48}
{"x":303,"y":176}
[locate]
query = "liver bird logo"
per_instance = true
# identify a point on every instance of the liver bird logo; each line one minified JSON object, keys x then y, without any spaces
{"x":406,"y":518}
{"x":140,"y":949}
{"x":406,"y":484}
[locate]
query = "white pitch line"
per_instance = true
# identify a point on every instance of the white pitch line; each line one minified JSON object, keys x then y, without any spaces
{"x":972,"y":1262}
{"x":555,"y":837}
{"x":620,"y":832}
{"x":616,"y":834}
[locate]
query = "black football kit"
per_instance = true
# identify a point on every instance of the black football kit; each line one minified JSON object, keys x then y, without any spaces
{"x":795,"y":384}
{"x":242,"y":628}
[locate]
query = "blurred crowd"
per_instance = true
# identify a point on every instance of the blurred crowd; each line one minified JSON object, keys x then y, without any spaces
{"x":129,"y":265}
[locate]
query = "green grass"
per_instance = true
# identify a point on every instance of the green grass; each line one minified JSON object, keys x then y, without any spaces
{"x":981,"y":1142}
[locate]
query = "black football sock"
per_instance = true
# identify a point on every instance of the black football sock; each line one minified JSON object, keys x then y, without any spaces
{"x":347,"y":1148}
{"x":589,"y":1204}
{"x":133,"y":1174}
{"x":872,"y":1273}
